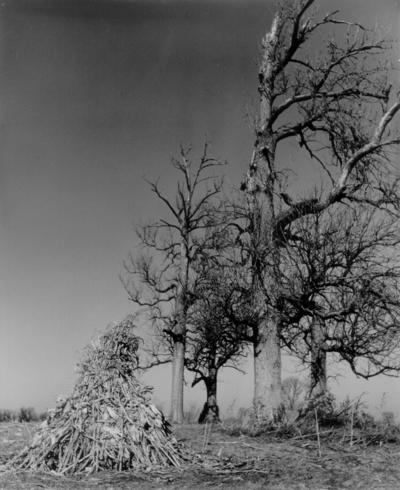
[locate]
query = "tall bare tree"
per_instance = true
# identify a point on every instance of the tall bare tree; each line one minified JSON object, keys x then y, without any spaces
{"x":158,"y":279}
{"x":338,"y":103}
{"x":341,"y":279}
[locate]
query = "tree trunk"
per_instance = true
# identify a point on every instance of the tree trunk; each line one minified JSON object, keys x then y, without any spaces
{"x":178,"y":362}
{"x":267,"y":372}
{"x":261,"y":180}
{"x":210,"y":412}
{"x":176,"y":415}
{"x":318,"y":371}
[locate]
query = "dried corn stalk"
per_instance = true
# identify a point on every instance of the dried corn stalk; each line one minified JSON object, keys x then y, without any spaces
{"x":108,"y":422}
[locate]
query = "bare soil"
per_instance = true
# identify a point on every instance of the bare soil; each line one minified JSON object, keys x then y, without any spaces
{"x":217,"y":459}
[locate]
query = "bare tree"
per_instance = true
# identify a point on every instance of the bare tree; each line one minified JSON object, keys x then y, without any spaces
{"x":338,"y":104}
{"x":218,"y":321}
{"x":293,"y":390}
{"x":158,"y":279}
{"x":341,"y":279}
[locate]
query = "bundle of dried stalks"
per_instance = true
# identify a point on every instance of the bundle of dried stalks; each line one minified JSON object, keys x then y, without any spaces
{"x":108,"y":422}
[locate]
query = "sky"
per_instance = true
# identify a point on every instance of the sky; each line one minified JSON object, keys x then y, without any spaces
{"x":94,"y":96}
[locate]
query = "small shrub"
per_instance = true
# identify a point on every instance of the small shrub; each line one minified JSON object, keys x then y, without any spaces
{"x":8,"y":415}
{"x":191,"y":415}
{"x":388,"y":419}
{"x":245,"y":417}
{"x":354,"y":412}
{"x":238,"y":422}
{"x":27,"y":415}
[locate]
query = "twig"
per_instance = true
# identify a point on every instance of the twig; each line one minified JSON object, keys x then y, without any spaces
{"x":351,"y":424}
{"x":207,"y":432}
{"x":312,"y":434}
{"x":253,"y":447}
{"x":317,"y":427}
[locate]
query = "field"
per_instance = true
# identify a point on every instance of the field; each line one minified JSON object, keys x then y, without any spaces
{"x":228,"y":459}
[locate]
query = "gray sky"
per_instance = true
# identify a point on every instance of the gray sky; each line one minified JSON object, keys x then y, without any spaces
{"x":95,"y":94}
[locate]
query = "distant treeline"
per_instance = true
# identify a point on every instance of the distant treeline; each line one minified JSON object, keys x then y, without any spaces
{"x":24,"y":414}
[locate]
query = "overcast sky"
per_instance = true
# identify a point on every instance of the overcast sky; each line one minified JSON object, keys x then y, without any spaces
{"x":96,"y":94}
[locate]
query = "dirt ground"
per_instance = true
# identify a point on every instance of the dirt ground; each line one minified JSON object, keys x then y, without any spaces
{"x":219,"y":460}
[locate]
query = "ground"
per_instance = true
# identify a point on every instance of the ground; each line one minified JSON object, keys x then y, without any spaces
{"x":230,"y":460}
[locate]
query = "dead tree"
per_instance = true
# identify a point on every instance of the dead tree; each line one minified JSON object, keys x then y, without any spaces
{"x":341,"y":295}
{"x":339,"y":105}
{"x":218,"y":322}
{"x":158,"y":278}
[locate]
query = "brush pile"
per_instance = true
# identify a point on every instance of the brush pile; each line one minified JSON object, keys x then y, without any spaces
{"x":108,"y":422}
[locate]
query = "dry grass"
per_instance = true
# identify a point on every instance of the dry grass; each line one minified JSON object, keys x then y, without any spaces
{"x":222,"y":460}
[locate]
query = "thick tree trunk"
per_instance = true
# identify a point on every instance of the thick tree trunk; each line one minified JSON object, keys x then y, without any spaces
{"x":261,"y":184}
{"x":318,"y":371}
{"x":267,"y":372}
{"x":178,"y":362}
{"x":210,"y":412}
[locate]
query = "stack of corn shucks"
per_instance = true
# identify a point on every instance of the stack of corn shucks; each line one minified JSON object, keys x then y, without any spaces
{"x":108,"y":422}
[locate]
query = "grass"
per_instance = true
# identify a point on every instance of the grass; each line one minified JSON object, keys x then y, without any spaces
{"x":230,"y":455}
{"x":328,"y":446}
